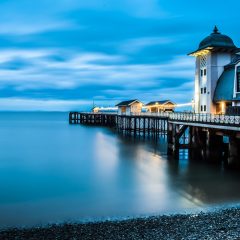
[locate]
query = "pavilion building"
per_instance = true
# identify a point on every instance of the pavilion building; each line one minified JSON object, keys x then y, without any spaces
{"x":129,"y":107}
{"x":217,"y":75}
{"x":160,"y":106}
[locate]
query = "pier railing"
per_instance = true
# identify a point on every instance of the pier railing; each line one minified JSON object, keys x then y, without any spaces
{"x":206,"y":118}
{"x":183,"y":117}
{"x":199,"y":118}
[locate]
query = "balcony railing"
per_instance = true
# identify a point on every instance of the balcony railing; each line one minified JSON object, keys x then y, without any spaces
{"x":206,"y":118}
{"x":198,"y":118}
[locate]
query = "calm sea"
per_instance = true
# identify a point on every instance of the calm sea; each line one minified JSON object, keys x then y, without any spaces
{"x":51,"y":171}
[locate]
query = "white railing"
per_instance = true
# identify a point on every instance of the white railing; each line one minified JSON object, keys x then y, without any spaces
{"x":188,"y":117}
{"x":193,"y":117}
{"x":206,"y":118}
{"x":103,"y":113}
{"x":160,"y":114}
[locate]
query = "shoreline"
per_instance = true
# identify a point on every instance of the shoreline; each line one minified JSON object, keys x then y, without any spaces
{"x":217,"y":224}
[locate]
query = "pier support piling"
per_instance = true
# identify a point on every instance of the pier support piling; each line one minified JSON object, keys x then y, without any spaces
{"x":234,"y":152}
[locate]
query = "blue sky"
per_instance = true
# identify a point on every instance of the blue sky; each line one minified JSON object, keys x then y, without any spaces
{"x":63,"y":54}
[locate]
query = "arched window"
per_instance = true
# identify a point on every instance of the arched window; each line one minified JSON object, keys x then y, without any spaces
{"x":238,"y":79}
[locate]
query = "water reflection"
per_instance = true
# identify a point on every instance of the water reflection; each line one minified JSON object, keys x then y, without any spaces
{"x":51,"y":171}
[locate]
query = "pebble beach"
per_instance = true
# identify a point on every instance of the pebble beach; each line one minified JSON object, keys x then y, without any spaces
{"x":222,"y":224}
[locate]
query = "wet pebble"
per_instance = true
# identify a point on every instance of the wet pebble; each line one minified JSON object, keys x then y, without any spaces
{"x":223,"y":224}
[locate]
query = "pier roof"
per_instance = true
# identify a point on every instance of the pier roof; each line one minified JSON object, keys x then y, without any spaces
{"x":162,"y":102}
{"x":127,"y":103}
{"x":225,"y":86}
{"x":215,"y":41}
{"x":234,"y":61}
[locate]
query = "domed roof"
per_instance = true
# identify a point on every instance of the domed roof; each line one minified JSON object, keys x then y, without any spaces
{"x":216,"y":39}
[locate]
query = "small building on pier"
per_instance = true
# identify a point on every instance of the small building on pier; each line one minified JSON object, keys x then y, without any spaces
{"x":160,"y":106}
{"x":217,"y":75}
{"x":129,"y":107}
{"x":95,"y":109}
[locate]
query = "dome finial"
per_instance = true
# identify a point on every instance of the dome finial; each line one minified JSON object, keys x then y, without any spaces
{"x":215,"y":30}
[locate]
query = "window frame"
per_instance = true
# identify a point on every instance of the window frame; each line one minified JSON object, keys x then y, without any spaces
{"x":238,"y":79}
{"x":205,"y":72}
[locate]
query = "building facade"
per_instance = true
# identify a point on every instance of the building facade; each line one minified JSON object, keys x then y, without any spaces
{"x":160,"y":106}
{"x":217,"y":75}
{"x":129,"y":107}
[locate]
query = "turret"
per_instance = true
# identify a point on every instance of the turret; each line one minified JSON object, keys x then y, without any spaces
{"x":213,"y":53}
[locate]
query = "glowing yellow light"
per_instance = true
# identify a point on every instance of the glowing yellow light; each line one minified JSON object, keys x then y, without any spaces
{"x":223,"y":107}
{"x":201,"y":52}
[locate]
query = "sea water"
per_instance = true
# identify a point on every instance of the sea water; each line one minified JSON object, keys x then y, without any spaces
{"x":51,"y":171}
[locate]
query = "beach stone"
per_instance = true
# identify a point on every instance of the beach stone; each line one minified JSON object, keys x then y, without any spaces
{"x":222,"y":224}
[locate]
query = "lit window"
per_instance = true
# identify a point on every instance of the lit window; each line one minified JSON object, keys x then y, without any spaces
{"x":238,"y":79}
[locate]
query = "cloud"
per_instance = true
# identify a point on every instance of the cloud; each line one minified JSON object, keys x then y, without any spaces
{"x":30,"y":17}
{"x":134,"y":45}
{"x":71,"y":50}
{"x":80,"y":75}
{"x":138,"y":8}
{"x":10,"y":54}
{"x":25,"y":28}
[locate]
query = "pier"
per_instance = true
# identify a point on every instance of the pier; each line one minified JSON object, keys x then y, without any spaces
{"x":133,"y":125}
{"x":207,"y":136}
{"x":97,"y":119}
